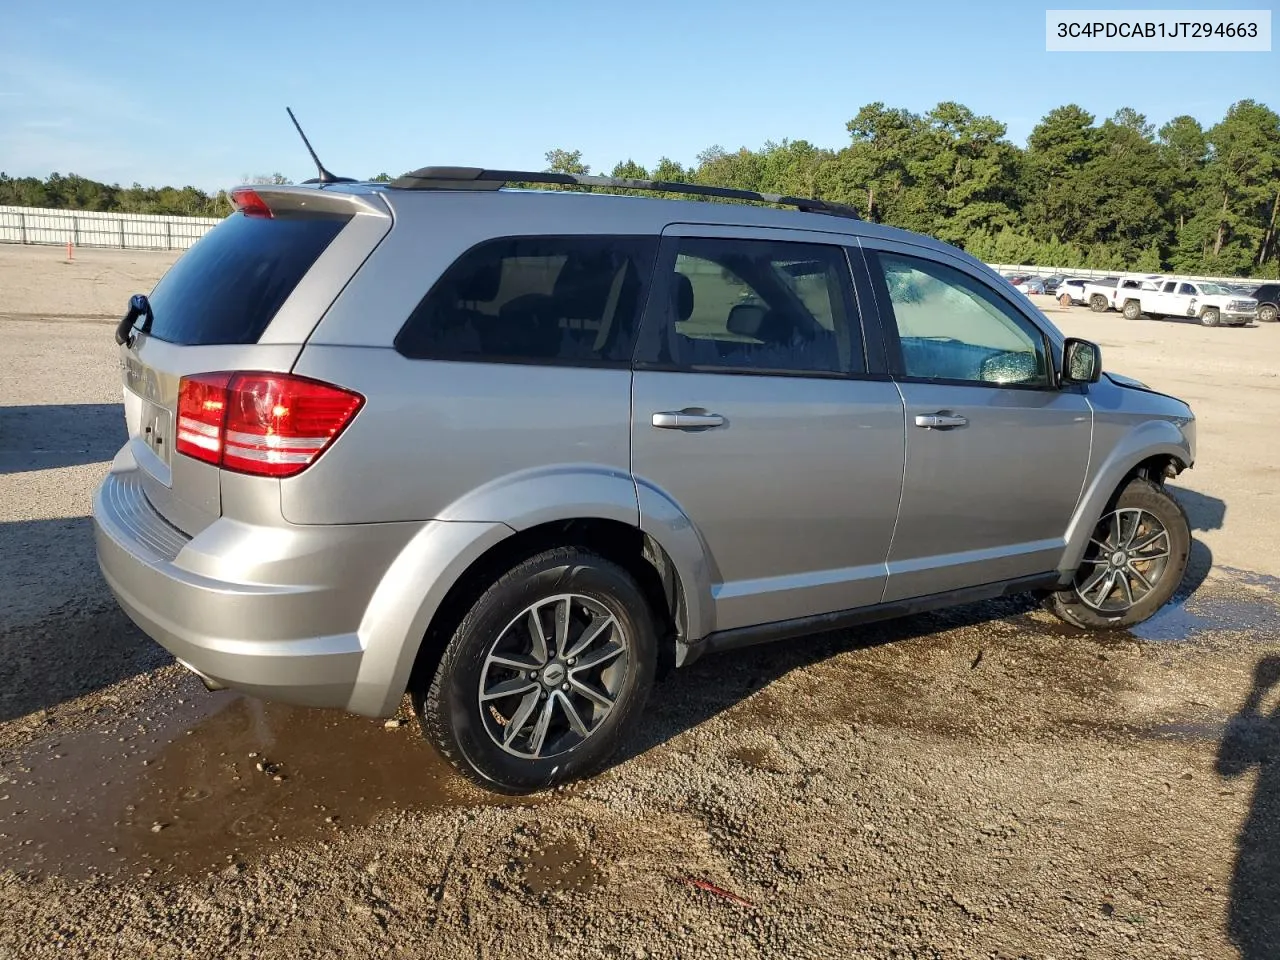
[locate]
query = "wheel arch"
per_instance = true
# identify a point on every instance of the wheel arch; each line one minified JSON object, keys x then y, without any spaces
{"x":441,"y":573}
{"x":1155,"y":451}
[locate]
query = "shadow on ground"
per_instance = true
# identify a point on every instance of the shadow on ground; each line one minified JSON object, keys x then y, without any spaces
{"x":1252,"y":740}
{"x":1203,"y":511}
{"x":61,"y":633}
{"x":59,"y":435}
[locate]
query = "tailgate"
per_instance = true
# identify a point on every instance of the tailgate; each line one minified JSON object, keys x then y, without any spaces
{"x":244,"y":297}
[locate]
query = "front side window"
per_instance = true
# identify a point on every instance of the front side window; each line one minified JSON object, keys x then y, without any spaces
{"x":535,"y":299}
{"x":761,"y":305}
{"x":1187,"y":290}
{"x":952,"y":327}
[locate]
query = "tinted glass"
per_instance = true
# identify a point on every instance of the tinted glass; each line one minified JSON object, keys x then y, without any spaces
{"x":227,"y":287}
{"x":952,"y":327}
{"x":761,"y":305}
{"x":1266,"y":293}
{"x":535,"y":299}
{"x":1187,"y":290}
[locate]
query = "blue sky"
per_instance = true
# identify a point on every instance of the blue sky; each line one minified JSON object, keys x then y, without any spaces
{"x":176,"y":93}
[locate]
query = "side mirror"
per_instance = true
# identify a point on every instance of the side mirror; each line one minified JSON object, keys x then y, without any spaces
{"x":1081,"y":361}
{"x":745,"y":319}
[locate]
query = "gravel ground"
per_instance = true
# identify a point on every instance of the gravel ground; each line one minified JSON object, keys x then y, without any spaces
{"x":984,"y":782}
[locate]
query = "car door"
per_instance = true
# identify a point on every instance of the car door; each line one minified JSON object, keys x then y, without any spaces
{"x":756,"y":414}
{"x":1163,"y":302}
{"x":1184,"y":304}
{"x":996,"y":452}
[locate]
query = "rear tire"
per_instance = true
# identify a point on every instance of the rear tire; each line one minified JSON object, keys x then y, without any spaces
{"x":1153,"y":539}
{"x":1211,"y":317}
{"x":496,"y":672}
{"x":1267,"y":314}
{"x":1098,"y":303}
{"x":1132,"y":310}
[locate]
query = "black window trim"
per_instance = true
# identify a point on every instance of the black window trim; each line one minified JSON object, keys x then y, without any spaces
{"x":654,"y":319}
{"x":650,"y":255}
{"x":893,"y":344}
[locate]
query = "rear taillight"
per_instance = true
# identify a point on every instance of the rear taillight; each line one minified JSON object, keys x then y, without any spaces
{"x":266,"y":424}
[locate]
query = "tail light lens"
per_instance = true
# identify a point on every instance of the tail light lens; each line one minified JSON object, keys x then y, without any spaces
{"x":265,"y":424}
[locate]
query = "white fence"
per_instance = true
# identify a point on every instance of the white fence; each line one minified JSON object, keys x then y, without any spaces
{"x":88,"y":228}
{"x":1092,"y":274}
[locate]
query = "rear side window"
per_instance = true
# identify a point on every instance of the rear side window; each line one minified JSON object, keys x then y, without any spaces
{"x":759,"y":306}
{"x":572,"y":300}
{"x":227,"y":287}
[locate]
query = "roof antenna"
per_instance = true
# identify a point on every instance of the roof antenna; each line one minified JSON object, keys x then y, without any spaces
{"x":325,"y":176}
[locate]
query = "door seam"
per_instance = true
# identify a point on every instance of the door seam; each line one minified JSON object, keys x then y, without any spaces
{"x":902,"y":488}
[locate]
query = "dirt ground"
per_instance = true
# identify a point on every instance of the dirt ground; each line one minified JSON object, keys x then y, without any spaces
{"x":982,"y":782}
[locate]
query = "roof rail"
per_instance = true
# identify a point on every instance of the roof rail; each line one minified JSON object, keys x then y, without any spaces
{"x":475,"y":178}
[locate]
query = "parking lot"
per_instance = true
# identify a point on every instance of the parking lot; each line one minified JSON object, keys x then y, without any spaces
{"x":978,"y":782}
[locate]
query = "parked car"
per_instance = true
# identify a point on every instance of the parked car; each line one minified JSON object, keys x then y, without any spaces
{"x":1212,"y":303}
{"x":1109,"y":294}
{"x":1268,"y":299}
{"x":511,"y":450}
{"x":1051,"y":285}
{"x":1030,"y":285}
{"x":1099,"y":293}
{"x":1075,"y":288}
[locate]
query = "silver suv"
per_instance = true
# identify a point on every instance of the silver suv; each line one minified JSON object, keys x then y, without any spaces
{"x":511,"y":450}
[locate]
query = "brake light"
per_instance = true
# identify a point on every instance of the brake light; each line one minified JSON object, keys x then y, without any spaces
{"x":249,"y":202}
{"x":265,"y":424}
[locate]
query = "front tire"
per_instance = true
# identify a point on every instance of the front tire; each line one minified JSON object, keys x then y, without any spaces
{"x":545,"y":674}
{"x":1211,"y":317}
{"x":1267,"y":314}
{"x":1134,"y":564}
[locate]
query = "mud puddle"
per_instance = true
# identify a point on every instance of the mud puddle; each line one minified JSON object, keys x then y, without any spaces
{"x":220,"y":779}
{"x":560,"y":865}
{"x":1235,"y":602}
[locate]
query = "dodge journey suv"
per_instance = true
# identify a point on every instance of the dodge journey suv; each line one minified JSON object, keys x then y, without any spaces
{"x":513,"y":451}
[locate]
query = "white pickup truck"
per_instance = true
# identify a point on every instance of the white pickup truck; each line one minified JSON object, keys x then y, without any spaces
{"x":1211,"y":303}
{"x":1110,"y":293}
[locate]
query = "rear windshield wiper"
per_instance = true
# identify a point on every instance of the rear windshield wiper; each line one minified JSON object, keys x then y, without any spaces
{"x":139,"y":306}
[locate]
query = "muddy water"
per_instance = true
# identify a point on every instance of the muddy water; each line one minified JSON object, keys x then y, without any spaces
{"x":218,"y":779}
{"x":561,"y":865}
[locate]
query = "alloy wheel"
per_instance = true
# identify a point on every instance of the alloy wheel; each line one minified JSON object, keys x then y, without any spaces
{"x":553,"y":676}
{"x":1126,"y":558}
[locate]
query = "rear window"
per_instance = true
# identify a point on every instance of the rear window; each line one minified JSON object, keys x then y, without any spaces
{"x":566,"y":300}
{"x":227,"y":287}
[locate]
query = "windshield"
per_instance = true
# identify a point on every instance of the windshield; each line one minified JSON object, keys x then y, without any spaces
{"x":1213,"y":288}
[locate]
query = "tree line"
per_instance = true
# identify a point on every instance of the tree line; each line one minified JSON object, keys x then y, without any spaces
{"x":1120,"y":194}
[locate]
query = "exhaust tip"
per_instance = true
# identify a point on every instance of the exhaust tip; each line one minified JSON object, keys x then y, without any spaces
{"x":210,"y":684}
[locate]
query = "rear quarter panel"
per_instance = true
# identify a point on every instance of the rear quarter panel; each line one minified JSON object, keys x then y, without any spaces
{"x":465,"y":441}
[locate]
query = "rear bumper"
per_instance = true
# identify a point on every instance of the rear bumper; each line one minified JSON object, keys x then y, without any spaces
{"x":273,"y":612}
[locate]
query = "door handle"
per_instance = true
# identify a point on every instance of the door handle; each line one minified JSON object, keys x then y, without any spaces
{"x":940,"y":421}
{"x":685,"y":420}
